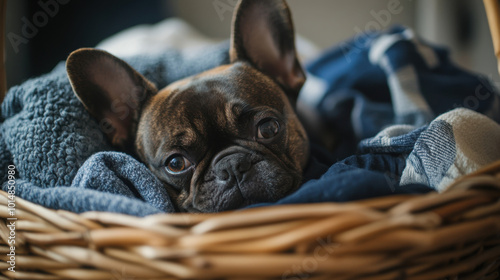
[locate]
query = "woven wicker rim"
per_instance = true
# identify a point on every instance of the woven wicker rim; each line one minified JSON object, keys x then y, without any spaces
{"x":419,"y":236}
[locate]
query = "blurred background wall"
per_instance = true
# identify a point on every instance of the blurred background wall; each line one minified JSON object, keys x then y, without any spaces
{"x":460,"y":25}
{"x":41,"y":33}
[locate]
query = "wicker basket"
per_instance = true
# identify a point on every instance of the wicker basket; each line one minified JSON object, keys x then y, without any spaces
{"x":433,"y":236}
{"x":455,"y":234}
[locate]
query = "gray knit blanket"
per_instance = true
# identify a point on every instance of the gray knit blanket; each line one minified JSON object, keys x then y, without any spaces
{"x":48,"y":136}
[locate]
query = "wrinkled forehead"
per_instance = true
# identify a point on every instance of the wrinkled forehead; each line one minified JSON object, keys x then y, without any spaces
{"x":234,"y":83}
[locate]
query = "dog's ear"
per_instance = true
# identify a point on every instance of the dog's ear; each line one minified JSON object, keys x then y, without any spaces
{"x":111,"y":91}
{"x":263,"y":34}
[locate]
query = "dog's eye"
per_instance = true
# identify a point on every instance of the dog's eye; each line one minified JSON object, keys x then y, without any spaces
{"x":177,"y":164}
{"x":268,"y":128}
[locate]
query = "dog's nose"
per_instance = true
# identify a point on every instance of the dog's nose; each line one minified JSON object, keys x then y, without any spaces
{"x":232,"y":167}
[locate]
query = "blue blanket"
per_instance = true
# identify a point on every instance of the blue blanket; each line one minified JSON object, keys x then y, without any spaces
{"x":372,"y":82}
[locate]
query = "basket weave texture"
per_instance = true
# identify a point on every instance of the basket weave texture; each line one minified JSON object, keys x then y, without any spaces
{"x":455,"y":234}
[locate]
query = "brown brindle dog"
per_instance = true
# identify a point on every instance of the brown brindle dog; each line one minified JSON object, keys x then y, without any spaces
{"x":222,"y":139}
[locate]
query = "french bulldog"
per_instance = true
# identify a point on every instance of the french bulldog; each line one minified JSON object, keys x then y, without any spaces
{"x":222,"y":139}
